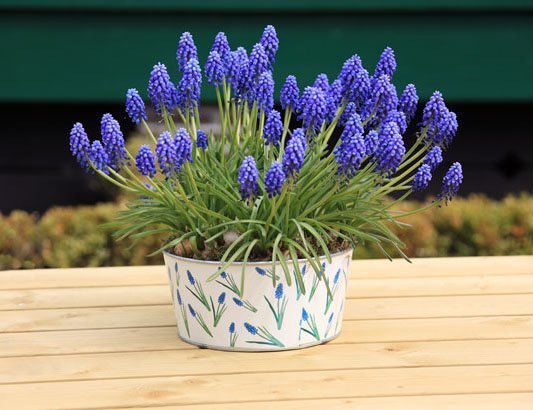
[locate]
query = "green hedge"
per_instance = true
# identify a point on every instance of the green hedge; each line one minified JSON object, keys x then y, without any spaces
{"x":74,"y":236}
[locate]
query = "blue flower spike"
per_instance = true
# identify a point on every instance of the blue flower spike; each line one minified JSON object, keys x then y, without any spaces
{"x":266,"y":338}
{"x":197,"y":291}
{"x":278,"y":305}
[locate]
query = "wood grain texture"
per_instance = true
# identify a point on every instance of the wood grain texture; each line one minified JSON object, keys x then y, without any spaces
{"x":203,"y":362}
{"x":499,"y":401}
{"x":372,"y":268}
{"x":356,"y":309}
{"x":165,"y":338}
{"x":438,"y":333}
{"x":140,"y":295}
{"x":216,"y":388}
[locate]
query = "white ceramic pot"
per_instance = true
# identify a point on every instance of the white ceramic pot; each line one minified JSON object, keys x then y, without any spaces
{"x":217,"y":315}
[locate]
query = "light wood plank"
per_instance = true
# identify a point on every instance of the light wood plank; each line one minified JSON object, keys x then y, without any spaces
{"x":204,"y":362}
{"x":83,"y":277}
{"x":165,"y":338}
{"x":86,"y":318}
{"x":498,"y":401}
{"x":432,"y":267}
{"x":373,"y":308}
{"x":438,"y":306}
{"x":84,"y":297}
{"x":374,"y":269}
{"x":440,"y":286}
{"x":268,"y":386}
{"x":357,"y":288}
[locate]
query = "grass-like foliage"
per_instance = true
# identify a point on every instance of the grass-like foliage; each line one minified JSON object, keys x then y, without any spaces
{"x":261,"y":189}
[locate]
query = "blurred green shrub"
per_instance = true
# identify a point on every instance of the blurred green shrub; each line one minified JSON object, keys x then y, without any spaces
{"x":476,"y":226}
{"x":74,"y":236}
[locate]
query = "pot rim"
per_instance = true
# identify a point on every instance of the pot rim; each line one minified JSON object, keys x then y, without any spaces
{"x":218,"y":263}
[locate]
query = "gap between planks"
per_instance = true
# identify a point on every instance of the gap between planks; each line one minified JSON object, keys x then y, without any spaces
{"x":377,"y":268}
{"x":481,"y":401}
{"x":354,"y":332}
{"x":114,"y":296}
{"x":517,"y":378}
{"x":375,"y":308}
{"x":192,"y":362}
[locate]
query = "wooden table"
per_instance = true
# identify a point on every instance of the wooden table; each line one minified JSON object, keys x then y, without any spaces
{"x":437,"y":334}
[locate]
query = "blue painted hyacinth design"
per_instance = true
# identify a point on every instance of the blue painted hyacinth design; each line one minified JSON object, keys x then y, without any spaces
{"x":215,"y":313}
{"x":183,"y":312}
{"x":278,"y":306}
{"x":227,"y":280}
{"x":198,"y":317}
{"x":333,"y":289}
{"x":233,"y":336}
{"x":316,"y":281}
{"x":262,"y":333}
{"x":197,"y":290}
{"x":308,"y":324}
{"x":328,"y":328}
{"x":220,"y":308}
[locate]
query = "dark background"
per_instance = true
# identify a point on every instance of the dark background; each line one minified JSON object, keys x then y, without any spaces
{"x":68,"y":61}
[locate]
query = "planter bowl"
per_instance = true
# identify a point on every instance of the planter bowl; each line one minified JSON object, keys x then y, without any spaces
{"x":216,"y":315}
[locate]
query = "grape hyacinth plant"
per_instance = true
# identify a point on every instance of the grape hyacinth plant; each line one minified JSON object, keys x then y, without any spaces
{"x":264,"y":189}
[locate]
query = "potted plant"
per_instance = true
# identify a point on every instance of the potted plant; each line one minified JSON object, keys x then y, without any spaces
{"x":262,"y":216}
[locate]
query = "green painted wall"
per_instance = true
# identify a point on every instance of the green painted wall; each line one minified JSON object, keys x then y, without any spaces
{"x":84,"y":50}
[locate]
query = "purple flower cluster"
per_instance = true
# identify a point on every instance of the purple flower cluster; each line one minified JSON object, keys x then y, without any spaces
{"x":390,"y":151}
{"x":201,"y":139}
{"x":349,"y":154}
{"x":214,"y":68}
{"x":382,"y":100}
{"x":349,"y":71}
{"x":386,"y":64}
{"x":165,"y":151}
{"x":248,"y":178}
{"x":290,"y":94}
{"x":274,"y":179}
{"x":451,"y":182}
{"x":172,"y":153}
{"x":371,"y":143}
{"x":322,"y":82}
{"x":408,"y":102}
{"x":99,"y":157}
{"x":135,"y":106}
{"x":221,"y":45}
{"x":269,"y":41}
{"x":114,"y":143}
{"x":273,"y":128}
{"x":348,"y":112}
{"x":264,"y":92}
{"x":399,"y":118}
{"x":351,"y":150}
{"x":294,"y":154}
{"x":313,"y":107}
{"x":145,"y":161}
{"x":190,"y":85}
{"x":353,"y":126}
{"x":79,"y":144}
{"x":183,"y":143}
{"x":433,"y":158}
{"x":422,"y":178}
{"x":258,"y":62}
{"x":241,"y":81}
{"x":160,"y":88}
{"x":360,"y":87}
{"x":441,"y":123}
{"x":433,"y":110}
{"x":186,"y":50}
